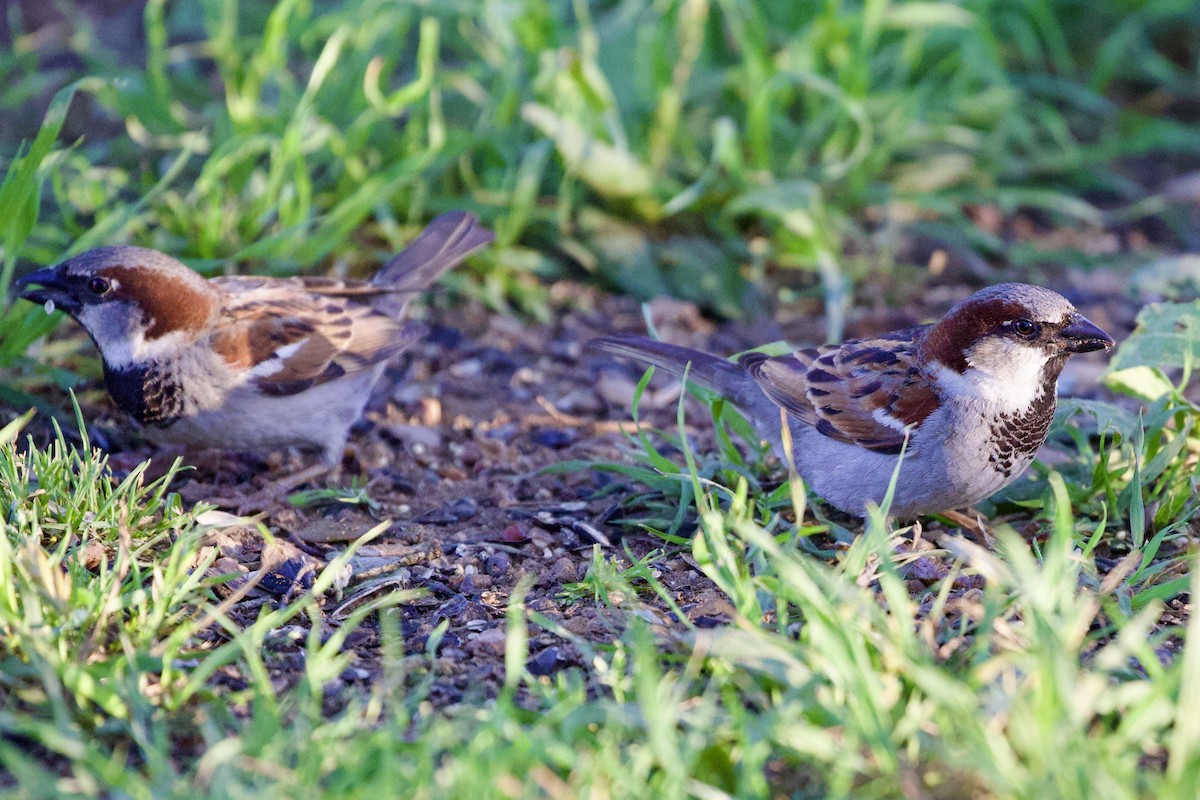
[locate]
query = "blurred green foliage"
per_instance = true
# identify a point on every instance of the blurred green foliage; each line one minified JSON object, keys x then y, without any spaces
{"x":673,"y":147}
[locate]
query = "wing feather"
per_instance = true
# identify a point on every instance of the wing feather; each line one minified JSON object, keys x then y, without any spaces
{"x":289,"y":341}
{"x":867,"y":392}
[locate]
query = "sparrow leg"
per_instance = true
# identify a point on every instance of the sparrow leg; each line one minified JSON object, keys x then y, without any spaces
{"x":971,"y":525}
{"x":274,"y":493}
{"x":277,"y":490}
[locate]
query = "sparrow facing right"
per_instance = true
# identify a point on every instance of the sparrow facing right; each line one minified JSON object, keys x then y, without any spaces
{"x":969,"y":398}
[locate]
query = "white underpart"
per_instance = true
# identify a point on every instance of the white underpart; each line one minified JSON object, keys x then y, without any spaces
{"x":1000,"y":372}
{"x":235,"y":416}
{"x":224,"y":409}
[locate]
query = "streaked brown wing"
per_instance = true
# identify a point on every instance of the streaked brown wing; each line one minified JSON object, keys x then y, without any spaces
{"x":864,"y":392}
{"x":291,"y":341}
{"x":242,"y":285}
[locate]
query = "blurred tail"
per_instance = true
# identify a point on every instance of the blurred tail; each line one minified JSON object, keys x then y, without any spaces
{"x":716,"y":374}
{"x":444,"y":243}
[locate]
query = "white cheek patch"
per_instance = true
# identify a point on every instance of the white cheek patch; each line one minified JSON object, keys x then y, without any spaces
{"x":999,"y":371}
{"x":160,"y":348}
{"x":123,"y":344}
{"x":1007,"y":361}
{"x":118,"y":352}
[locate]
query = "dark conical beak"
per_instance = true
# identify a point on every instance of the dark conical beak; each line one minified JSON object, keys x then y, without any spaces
{"x":1082,"y":336}
{"x":47,"y":286}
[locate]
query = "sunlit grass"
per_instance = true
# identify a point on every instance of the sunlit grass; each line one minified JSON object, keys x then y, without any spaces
{"x":1007,"y":676}
{"x":645,"y":142}
{"x":833,"y":680}
{"x":684,"y":148}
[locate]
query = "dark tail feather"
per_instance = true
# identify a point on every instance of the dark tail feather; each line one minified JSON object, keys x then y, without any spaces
{"x":715,"y":374}
{"x":444,"y":243}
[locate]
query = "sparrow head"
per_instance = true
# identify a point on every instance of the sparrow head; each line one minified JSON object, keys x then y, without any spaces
{"x":134,"y":303}
{"x":1013,"y":335}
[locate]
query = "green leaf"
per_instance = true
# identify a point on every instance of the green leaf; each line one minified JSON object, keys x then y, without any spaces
{"x":1170,"y":278}
{"x":1109,"y":416}
{"x":918,"y":16}
{"x":1167,"y":335}
{"x":20,"y":190}
{"x":1148,"y":383}
{"x":608,"y":170}
{"x":394,"y":105}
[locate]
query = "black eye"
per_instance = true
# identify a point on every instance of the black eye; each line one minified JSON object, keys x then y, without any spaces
{"x":99,"y":286}
{"x":1025,"y":328}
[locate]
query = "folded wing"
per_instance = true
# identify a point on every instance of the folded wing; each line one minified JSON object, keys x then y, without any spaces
{"x":866,"y":392}
{"x":291,"y":341}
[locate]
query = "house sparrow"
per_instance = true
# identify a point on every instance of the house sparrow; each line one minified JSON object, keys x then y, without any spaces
{"x":246,"y":363}
{"x":969,"y":399}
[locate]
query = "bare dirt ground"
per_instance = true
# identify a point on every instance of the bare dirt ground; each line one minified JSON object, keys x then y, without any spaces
{"x":455,"y":453}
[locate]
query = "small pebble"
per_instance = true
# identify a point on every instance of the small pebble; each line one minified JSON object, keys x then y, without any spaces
{"x":514,"y":534}
{"x":556,"y":438}
{"x":504,"y":433}
{"x":563,"y":571}
{"x":460,"y":510}
{"x":544,"y":662}
{"x":497,"y":564}
{"x":467,"y":368}
{"x":489,"y":642}
{"x":444,"y":337}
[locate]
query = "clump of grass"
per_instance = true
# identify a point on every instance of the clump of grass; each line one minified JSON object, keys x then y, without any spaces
{"x":21,"y":193}
{"x":1006,"y":691}
{"x":106,"y":594}
{"x":858,"y":684}
{"x":63,"y":493}
{"x":664,"y":508}
{"x":97,"y":574}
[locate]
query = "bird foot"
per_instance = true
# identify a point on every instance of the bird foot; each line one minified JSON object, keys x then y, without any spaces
{"x":274,"y":493}
{"x":971,"y":525}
